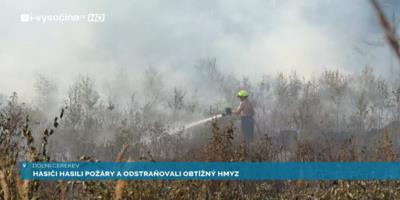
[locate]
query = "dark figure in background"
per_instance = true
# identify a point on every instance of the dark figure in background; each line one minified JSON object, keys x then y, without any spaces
{"x":246,"y":113}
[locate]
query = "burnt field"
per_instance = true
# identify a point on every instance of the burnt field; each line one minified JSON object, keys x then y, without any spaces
{"x":336,"y":117}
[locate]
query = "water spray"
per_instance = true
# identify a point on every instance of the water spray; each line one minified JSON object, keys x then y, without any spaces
{"x":193,"y":124}
{"x":228,"y":111}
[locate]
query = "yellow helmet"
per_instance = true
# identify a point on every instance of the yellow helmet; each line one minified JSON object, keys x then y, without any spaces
{"x":242,"y":93}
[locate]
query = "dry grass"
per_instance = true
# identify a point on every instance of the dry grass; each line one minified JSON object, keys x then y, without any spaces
{"x":388,"y":146}
{"x":63,"y":190}
{"x":121,"y":184}
{"x":22,"y":188}
{"x":4,"y":186}
{"x":223,"y":145}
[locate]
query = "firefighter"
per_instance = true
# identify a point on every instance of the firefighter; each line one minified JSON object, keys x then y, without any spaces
{"x":245,"y":111}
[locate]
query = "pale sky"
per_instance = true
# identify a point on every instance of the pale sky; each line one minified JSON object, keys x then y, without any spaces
{"x":248,"y":38}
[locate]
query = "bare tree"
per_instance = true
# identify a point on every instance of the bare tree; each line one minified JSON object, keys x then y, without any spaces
{"x":335,"y":86}
{"x":46,"y":93}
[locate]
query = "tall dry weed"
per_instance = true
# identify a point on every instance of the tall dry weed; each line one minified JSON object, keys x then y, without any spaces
{"x":121,"y":184}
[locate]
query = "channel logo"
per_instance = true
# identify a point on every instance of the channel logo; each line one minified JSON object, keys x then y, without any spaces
{"x":25,"y":18}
